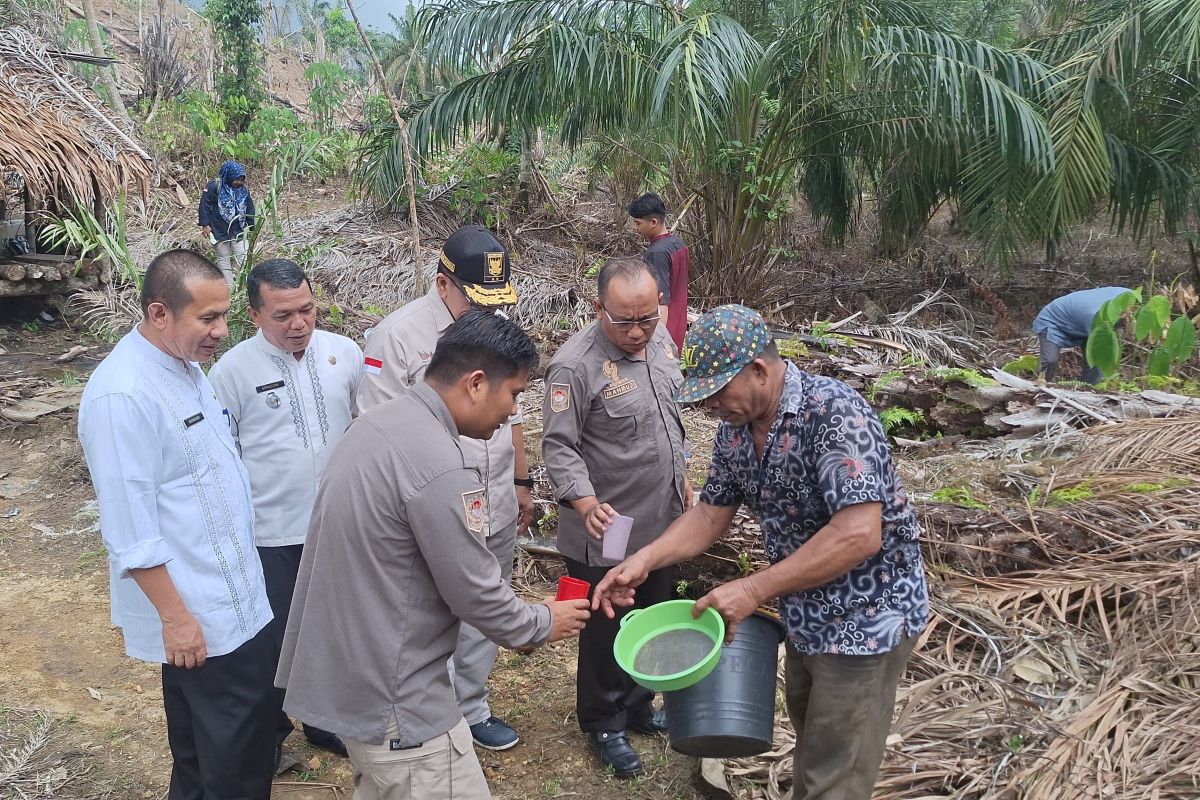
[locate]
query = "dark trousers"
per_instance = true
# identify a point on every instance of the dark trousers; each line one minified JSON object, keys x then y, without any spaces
{"x":219,"y":724}
{"x":607,"y":699}
{"x":280,"y":566}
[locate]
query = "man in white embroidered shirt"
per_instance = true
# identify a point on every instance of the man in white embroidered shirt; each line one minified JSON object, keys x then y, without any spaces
{"x":176,"y":517}
{"x":290,"y":395}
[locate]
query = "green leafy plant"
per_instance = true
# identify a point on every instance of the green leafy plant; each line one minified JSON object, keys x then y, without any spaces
{"x":898,"y":417}
{"x":743,"y":563}
{"x":970,"y":377}
{"x":1023,"y":365}
{"x":882,"y":382}
{"x":82,"y":232}
{"x":1171,"y":338}
{"x":958,"y":496}
{"x":235,"y":26}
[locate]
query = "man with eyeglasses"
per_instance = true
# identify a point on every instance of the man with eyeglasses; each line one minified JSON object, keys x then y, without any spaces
{"x":614,"y":444}
{"x":472,"y":273}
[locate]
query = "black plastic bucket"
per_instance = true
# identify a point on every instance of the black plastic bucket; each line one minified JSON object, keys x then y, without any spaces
{"x":731,"y":713}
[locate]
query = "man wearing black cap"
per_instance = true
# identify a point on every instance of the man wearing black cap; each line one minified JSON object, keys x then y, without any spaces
{"x":472,"y":272}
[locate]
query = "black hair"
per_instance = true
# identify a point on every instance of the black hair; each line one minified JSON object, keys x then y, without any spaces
{"x":625,"y":267}
{"x":481,"y":340}
{"x":167,"y":277}
{"x":276,"y":273}
{"x":647,"y":206}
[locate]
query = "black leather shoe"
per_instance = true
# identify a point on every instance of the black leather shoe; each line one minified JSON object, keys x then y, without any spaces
{"x":614,"y":751}
{"x":329,"y":741}
{"x":652,"y":723}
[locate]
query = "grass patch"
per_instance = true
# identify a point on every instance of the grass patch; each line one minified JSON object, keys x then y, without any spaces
{"x":958,"y":496}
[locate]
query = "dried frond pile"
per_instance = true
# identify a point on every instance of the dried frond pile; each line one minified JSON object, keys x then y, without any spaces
{"x":1063,"y":655}
{"x":57,"y":134}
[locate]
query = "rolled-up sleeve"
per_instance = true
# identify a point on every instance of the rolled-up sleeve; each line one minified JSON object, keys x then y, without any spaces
{"x":562,"y":434}
{"x":124,"y":463}
{"x":466,"y":573}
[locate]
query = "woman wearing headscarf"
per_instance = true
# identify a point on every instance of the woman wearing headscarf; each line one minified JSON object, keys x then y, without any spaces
{"x":227,"y":215}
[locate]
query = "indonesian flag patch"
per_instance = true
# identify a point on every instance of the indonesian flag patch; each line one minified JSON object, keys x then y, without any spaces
{"x":372,"y":366}
{"x":560,"y":397}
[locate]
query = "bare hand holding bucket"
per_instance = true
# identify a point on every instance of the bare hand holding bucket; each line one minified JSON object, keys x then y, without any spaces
{"x":734,"y":601}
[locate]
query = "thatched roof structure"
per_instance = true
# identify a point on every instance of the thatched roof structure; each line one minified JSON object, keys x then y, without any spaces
{"x":56,"y":132}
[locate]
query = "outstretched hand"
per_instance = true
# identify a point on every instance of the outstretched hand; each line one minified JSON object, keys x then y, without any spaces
{"x":617,"y":587}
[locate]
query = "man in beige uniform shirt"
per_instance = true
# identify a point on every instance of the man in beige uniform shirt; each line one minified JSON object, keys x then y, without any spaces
{"x":614,"y":444}
{"x":395,"y":558}
{"x":473,"y":272}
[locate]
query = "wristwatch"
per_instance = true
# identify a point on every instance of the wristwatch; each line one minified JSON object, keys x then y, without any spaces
{"x":526,"y":482}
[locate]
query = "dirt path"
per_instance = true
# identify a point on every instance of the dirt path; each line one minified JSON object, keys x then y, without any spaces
{"x":95,"y":716}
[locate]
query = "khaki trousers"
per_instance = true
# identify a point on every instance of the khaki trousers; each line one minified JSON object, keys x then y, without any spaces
{"x":841,"y":708}
{"x":443,"y":768}
{"x":228,"y":252}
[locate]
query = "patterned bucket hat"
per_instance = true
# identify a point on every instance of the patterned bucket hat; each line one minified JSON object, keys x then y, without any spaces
{"x":717,"y":346}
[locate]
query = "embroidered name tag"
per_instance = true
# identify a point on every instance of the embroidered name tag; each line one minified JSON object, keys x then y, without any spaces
{"x":618,"y":388}
{"x":192,"y":420}
{"x":266,"y":387}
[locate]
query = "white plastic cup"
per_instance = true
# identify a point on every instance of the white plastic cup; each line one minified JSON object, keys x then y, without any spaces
{"x":616,"y":538}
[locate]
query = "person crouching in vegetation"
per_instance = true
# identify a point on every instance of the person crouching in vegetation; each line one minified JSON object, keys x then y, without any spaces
{"x":226,"y":215}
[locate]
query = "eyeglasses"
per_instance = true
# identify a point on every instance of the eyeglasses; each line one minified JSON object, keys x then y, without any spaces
{"x":646,"y":324}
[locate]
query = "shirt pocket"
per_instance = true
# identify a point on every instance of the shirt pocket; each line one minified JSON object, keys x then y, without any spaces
{"x":624,"y":440}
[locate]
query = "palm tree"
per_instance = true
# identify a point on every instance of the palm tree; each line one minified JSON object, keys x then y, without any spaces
{"x":752,"y":101}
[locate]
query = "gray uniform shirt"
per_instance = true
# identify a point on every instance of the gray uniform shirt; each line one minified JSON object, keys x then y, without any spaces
{"x":394,"y":559}
{"x":404,"y":343}
{"x":612,"y":430}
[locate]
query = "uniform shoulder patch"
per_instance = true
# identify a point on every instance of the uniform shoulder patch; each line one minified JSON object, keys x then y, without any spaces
{"x":560,"y":397}
{"x":475,"y":510}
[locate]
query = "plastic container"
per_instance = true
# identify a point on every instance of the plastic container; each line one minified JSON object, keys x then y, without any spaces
{"x":639,"y":626}
{"x":616,"y":538}
{"x":572,"y":589}
{"x":731,"y":713}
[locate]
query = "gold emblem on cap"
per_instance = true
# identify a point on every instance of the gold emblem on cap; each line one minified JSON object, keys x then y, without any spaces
{"x":495,"y":268}
{"x":446,"y":262}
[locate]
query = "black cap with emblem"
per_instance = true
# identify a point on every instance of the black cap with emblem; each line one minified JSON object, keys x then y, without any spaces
{"x":477,"y":261}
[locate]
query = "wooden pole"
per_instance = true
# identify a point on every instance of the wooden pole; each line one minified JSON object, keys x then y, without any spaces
{"x":409,"y":172}
{"x":108,"y":75}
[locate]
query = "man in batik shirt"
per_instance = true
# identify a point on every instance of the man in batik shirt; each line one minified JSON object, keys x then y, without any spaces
{"x":809,"y":458}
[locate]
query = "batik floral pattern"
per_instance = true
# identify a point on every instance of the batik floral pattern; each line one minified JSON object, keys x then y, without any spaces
{"x":826,"y":450}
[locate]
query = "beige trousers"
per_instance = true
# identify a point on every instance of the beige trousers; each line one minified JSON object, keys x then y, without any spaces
{"x":443,"y":768}
{"x":228,"y":252}
{"x":841,"y":708}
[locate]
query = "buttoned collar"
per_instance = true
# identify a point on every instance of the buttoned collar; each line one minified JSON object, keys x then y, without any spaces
{"x":429,"y":396}
{"x":442,"y":318}
{"x":153,"y":353}
{"x":264,"y":344}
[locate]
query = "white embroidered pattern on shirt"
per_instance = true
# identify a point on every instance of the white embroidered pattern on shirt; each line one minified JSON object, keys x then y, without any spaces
{"x":318,"y":396}
{"x":289,"y":383}
{"x":175,"y":407}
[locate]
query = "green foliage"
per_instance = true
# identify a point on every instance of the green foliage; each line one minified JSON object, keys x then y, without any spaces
{"x":1064,"y":496}
{"x":195,"y":127}
{"x":1172,"y":339}
{"x":897,"y":417}
{"x":340,"y":33}
{"x":791,"y":348}
{"x":882,"y":382}
{"x":958,"y":496}
{"x":1024,"y":365}
{"x":970,"y":377}
{"x":330,"y":87}
{"x":238,"y":60}
{"x":81,"y":232}
{"x":743,"y":563}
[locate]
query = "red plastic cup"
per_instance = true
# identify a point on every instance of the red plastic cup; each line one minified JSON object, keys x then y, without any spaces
{"x":572,"y":589}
